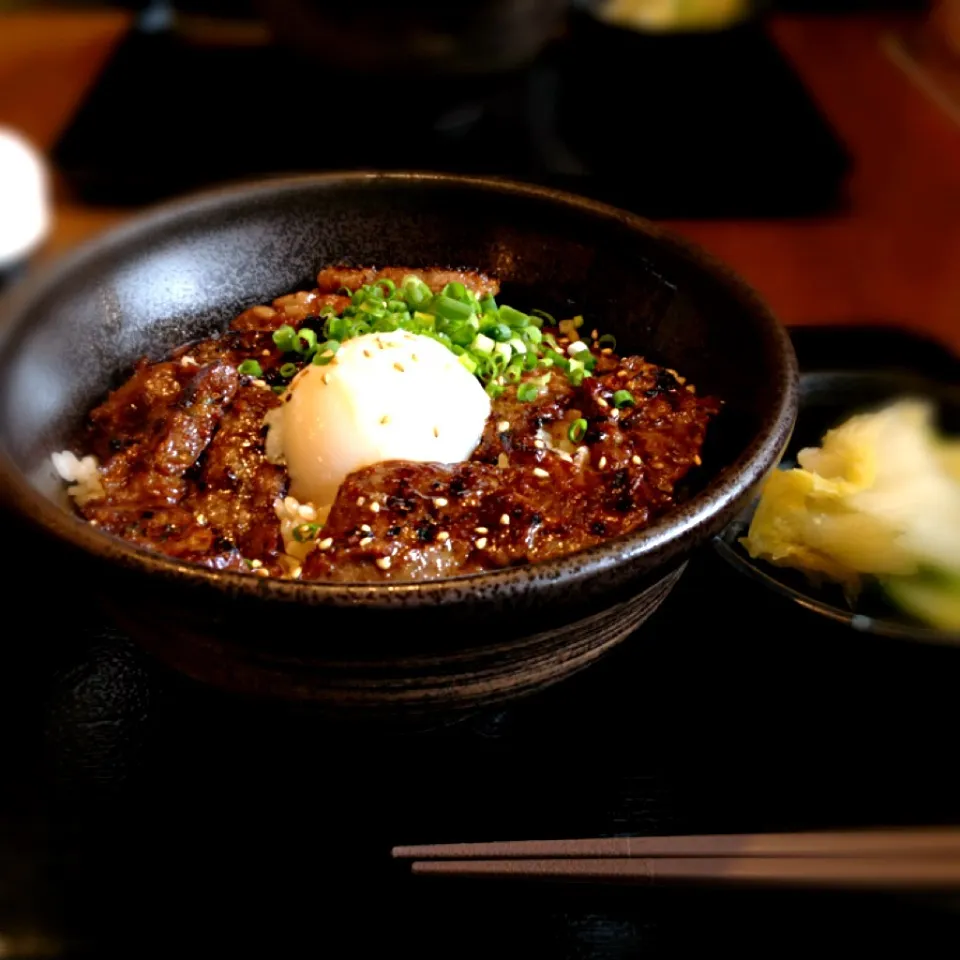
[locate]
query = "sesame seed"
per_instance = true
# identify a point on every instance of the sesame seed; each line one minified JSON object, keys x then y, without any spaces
{"x":326,"y":378}
{"x":291,"y":505}
{"x":443,"y":535}
{"x":505,"y":519}
{"x":366,"y":541}
{"x":602,"y":463}
{"x":365,"y":527}
{"x":367,"y":354}
{"x":398,"y":366}
{"x":440,"y":501}
{"x":540,"y":472}
{"x":481,"y":529}
{"x":563,"y":455}
{"x":436,"y":431}
{"x":264,"y":353}
{"x":481,"y":543}
{"x":657,"y":464}
{"x":623,"y":373}
{"x":306,"y":512}
{"x":260,"y":572}
{"x":594,"y":334}
{"x":383,"y":563}
{"x":691,"y":388}
{"x":697,"y":460}
{"x":385,"y":419}
{"x":259,"y":383}
{"x":635,"y":459}
{"x":602,"y":403}
{"x":374,"y":507}
{"x":606,"y":351}
{"x":503,"y":426}
{"x":325,"y":544}
{"x":201,"y":519}
{"x":295,"y":572}
{"x":414,"y":357}
{"x":256,"y":564}
{"x":539,"y":444}
{"x":361,"y":501}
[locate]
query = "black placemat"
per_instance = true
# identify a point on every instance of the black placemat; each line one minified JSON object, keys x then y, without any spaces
{"x":142,"y":815}
{"x":711,"y":125}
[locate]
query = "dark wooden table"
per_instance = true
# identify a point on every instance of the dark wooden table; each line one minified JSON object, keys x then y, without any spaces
{"x":891,"y":255}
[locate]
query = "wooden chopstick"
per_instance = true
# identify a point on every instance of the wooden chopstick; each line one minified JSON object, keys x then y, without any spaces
{"x":917,"y":842}
{"x":877,"y":872}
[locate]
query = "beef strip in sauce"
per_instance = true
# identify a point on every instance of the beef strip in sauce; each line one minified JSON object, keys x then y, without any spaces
{"x":181,"y":446}
{"x":410,"y":521}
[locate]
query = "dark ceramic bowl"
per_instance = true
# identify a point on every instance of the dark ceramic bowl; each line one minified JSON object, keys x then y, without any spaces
{"x":185,"y":269}
{"x":827,"y":398}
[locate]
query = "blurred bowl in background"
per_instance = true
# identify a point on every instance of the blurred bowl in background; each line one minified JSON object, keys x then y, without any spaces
{"x":418,"y":36}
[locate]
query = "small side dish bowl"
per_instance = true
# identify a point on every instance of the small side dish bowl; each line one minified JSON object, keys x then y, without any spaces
{"x":827,"y":398}
{"x":391,"y":650}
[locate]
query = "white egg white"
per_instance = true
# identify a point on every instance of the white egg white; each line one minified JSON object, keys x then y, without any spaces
{"x":384,"y":396}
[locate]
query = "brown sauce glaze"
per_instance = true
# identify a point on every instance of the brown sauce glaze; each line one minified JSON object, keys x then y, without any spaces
{"x":184,"y":471}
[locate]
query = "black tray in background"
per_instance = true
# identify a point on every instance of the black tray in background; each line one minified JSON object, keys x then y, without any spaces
{"x":693,"y":126}
{"x":141,"y":815}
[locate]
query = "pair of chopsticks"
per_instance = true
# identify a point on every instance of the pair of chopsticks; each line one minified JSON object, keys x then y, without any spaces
{"x":914,"y":858}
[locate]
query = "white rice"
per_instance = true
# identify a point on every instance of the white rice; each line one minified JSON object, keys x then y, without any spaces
{"x":306,"y":517}
{"x":83,"y":474}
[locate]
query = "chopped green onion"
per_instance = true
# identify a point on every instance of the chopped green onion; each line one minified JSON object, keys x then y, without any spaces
{"x":483,"y":344}
{"x":468,"y":362}
{"x":462,"y":335}
{"x":250,"y":368}
{"x":577,"y":431}
{"x":456,"y":291}
{"x":608,"y":340}
{"x":488,"y":304}
{"x":285,"y":338}
{"x":387,"y":285}
{"x":623,"y":398}
{"x":514,"y":318}
{"x":325,"y":352}
{"x":308,"y":337}
{"x":527,"y":391}
{"x":497,"y":331}
{"x":494,"y":389}
{"x":305,"y":531}
{"x":416,"y":292}
{"x":450,"y":309}
{"x":513,"y":372}
{"x":396,"y":306}
{"x":288,"y":370}
{"x":532,"y":334}
{"x":278,"y":390}
{"x":546,"y":316}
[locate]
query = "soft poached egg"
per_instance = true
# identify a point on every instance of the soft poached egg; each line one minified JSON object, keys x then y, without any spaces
{"x":383,"y":396}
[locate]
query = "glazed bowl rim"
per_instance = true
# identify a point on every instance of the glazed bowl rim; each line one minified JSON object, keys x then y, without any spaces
{"x":720,"y":493}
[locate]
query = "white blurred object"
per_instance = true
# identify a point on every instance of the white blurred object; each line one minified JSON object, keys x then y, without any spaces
{"x":24,"y":198}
